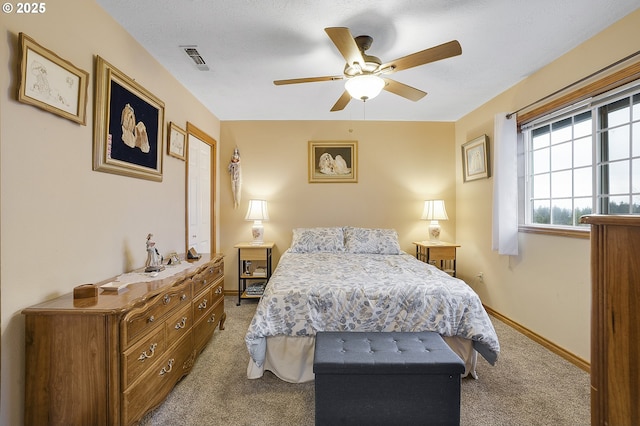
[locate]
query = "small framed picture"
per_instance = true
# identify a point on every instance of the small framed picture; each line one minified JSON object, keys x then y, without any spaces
{"x":174,"y":259}
{"x":333,"y":161}
{"x":49,"y":82}
{"x":475,"y":159}
{"x":177,"y":143}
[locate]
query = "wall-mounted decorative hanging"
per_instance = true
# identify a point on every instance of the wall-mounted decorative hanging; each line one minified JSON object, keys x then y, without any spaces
{"x":235,"y":171}
{"x":475,"y":159}
{"x":128,"y":126}
{"x":50,"y":82}
{"x":177,"y":142}
{"x":333,"y":161}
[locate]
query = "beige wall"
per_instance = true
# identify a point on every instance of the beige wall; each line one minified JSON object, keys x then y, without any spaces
{"x":400,"y":164}
{"x":62,"y":223}
{"x":546,"y":288}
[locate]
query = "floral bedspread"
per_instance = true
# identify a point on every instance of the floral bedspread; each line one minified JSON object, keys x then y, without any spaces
{"x":367,"y":292}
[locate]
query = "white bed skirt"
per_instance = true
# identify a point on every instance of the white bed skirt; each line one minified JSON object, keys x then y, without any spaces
{"x":291,"y":358}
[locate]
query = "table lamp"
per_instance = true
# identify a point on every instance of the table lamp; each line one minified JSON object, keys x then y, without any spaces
{"x":257,"y":212}
{"x":434,"y":211}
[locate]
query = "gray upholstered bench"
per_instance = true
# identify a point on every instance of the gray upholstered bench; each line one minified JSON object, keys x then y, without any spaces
{"x":387,"y":378}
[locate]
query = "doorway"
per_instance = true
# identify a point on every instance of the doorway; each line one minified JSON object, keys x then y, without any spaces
{"x":200,"y":181}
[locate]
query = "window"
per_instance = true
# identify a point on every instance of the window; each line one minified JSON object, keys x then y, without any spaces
{"x":584,"y":160}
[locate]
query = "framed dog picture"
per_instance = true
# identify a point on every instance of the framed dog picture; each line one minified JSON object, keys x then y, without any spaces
{"x":129,"y":126}
{"x":333,"y":161}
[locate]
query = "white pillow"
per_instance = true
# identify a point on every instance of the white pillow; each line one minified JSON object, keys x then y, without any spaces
{"x":316,"y":240}
{"x":371,"y":240}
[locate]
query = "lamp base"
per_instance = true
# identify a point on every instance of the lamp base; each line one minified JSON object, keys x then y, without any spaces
{"x":434,"y":232}
{"x":257,"y":231}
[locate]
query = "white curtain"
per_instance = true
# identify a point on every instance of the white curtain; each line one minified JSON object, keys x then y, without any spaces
{"x":505,"y":186}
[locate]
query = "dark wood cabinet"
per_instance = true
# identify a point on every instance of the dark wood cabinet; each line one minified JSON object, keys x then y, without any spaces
{"x":615,"y":320}
{"x":108,"y":360}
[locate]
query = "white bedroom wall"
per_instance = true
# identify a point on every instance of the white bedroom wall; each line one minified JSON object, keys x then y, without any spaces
{"x":63,"y":224}
{"x":546,"y":288}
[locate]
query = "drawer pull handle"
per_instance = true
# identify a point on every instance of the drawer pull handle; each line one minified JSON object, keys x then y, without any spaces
{"x":144,"y":354}
{"x":152,"y":318}
{"x":166,"y":299}
{"x":183,"y":297}
{"x":203,"y":305}
{"x":181,"y":324}
{"x":218,"y":290}
{"x":168,"y":368}
{"x":212,"y":319}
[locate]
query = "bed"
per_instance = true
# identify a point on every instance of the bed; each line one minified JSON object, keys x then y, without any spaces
{"x":358,"y":279}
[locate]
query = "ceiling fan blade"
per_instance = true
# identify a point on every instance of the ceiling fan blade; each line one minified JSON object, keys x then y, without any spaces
{"x":443,"y":51}
{"x":403,"y":90}
{"x":342,"y":102}
{"x":346,"y":44}
{"x":308,"y":80}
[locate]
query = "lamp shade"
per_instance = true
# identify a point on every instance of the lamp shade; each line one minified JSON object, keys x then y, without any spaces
{"x":364,"y":87}
{"x":257,"y":210}
{"x":434,"y":210}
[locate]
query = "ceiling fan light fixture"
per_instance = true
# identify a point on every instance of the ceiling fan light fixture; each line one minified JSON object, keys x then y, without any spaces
{"x":364,"y":87}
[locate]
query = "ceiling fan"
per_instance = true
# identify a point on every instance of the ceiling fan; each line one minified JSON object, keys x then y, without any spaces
{"x":363,"y":72}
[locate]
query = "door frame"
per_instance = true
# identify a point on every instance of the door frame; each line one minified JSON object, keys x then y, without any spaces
{"x":193,"y":130}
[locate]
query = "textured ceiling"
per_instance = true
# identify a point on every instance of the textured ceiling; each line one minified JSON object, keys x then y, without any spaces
{"x":249,"y":43}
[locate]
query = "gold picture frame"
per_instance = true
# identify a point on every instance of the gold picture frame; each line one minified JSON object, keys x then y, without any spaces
{"x":128,"y":126}
{"x":51,"y":83}
{"x":177,"y":142}
{"x":333,"y":161}
{"x":475,"y":159}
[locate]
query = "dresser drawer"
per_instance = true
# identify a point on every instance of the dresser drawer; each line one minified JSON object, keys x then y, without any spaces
{"x":140,"y":321}
{"x":206,"y":277}
{"x":217,"y":291}
{"x":442,"y":253}
{"x":253,"y":253}
{"x":201,"y":305}
{"x":207,"y":325}
{"x":155,"y":384}
{"x":179,"y":323}
{"x":140,"y":357}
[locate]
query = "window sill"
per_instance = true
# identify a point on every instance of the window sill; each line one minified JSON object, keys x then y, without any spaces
{"x":557,"y":231}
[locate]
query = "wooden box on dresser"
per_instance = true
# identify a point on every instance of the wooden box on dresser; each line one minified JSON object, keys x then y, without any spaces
{"x":108,"y":360}
{"x":615,"y":324}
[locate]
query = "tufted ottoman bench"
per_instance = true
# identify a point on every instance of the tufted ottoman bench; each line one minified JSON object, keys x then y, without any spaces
{"x":386,"y":378}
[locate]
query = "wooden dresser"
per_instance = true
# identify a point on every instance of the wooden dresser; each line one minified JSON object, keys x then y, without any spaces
{"x":108,"y":360}
{"x":615,"y":319}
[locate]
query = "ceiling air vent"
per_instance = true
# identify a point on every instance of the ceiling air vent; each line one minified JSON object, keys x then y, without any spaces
{"x":193,"y":53}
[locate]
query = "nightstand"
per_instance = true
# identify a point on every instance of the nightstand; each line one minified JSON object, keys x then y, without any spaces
{"x":254,"y":267}
{"x":440,"y":254}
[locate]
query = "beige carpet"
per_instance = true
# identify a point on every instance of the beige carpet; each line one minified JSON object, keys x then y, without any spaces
{"x":528,"y":386}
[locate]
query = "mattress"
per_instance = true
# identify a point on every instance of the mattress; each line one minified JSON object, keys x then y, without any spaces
{"x":343,"y":291}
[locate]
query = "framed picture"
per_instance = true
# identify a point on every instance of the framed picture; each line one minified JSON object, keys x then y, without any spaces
{"x":128,"y":126}
{"x":49,"y":82}
{"x":333,"y":161}
{"x":475,"y":159}
{"x":177,"y":142}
